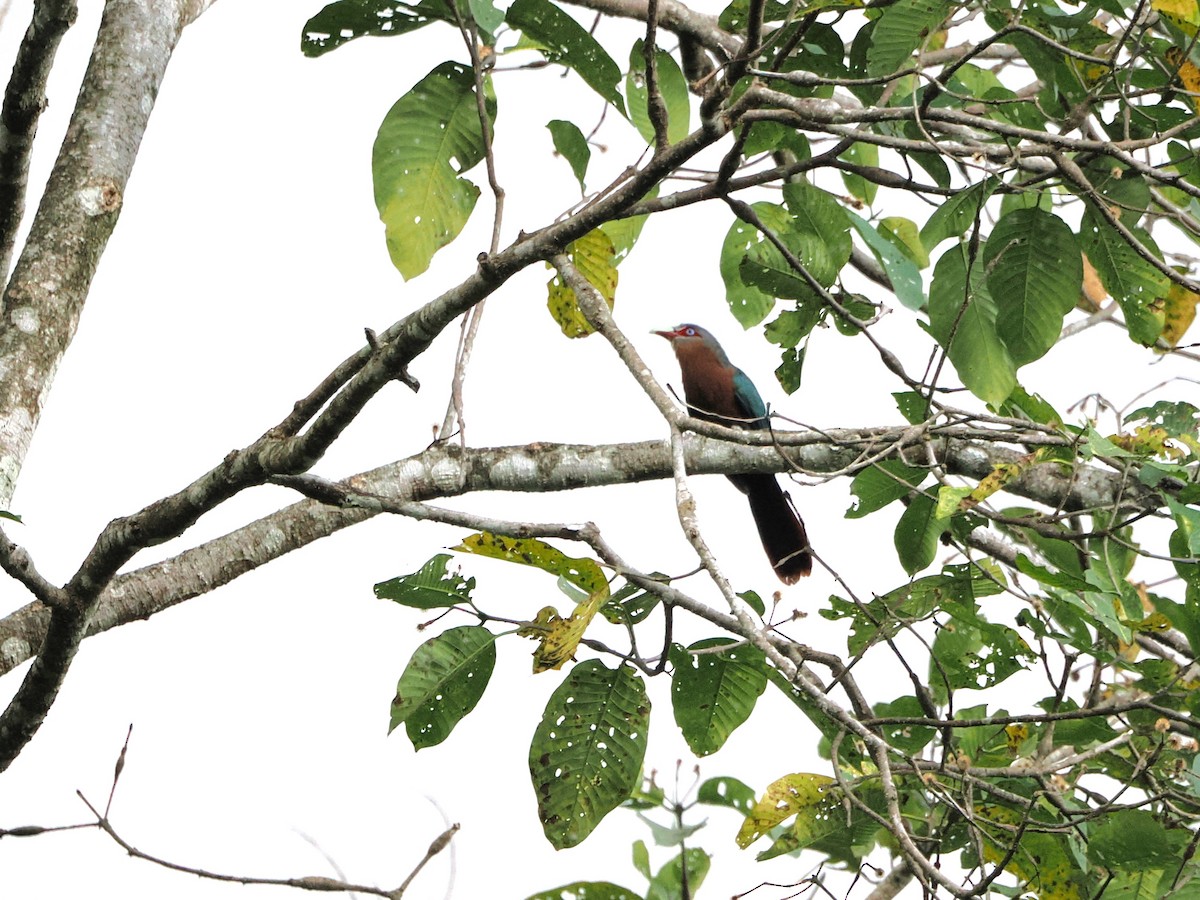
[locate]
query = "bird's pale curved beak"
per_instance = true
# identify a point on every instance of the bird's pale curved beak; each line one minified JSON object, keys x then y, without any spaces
{"x":664,"y":334}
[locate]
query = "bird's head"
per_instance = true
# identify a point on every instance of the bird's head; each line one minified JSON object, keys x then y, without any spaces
{"x":686,"y":332}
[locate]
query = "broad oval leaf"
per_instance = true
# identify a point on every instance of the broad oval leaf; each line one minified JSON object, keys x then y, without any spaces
{"x":726,"y":791}
{"x":883,"y":483}
{"x":595,"y":256}
{"x":900,"y":30}
{"x":901,"y":270}
{"x":749,"y":304}
{"x":1135,"y":284}
{"x":572,"y":146}
{"x":344,"y":21}
{"x":563,"y":40}
{"x":917,"y":534}
{"x":430,"y":587}
{"x":958,"y":213}
{"x":671,"y":85}
{"x":587,"y":752}
{"x":1034,"y":272}
{"x":582,"y":572}
{"x":799,"y":793}
{"x":713,"y":693}
{"x":428,"y":138}
{"x":824,"y":228}
{"x":442,"y":683}
{"x":680,"y":877}
{"x":962,"y":317}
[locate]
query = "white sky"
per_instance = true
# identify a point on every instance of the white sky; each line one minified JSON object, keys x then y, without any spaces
{"x":246,"y":262}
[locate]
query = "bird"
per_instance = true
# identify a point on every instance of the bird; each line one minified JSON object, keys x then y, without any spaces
{"x":716,"y":390}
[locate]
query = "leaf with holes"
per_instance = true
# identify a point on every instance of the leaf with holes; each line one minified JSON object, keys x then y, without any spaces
{"x":430,"y":587}
{"x":427,"y":140}
{"x":587,"y":752}
{"x":563,"y":40}
{"x":1133,"y":282}
{"x":442,"y":683}
{"x":595,"y":256}
{"x":800,"y":794}
{"x":748,"y":303}
{"x":671,"y":85}
{"x":344,"y":21}
{"x":713,"y":693}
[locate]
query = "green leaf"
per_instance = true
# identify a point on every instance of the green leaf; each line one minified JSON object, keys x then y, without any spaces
{"x":486,"y":15}
{"x":728,"y":792}
{"x":572,"y":146}
{"x":671,"y":85}
{"x":714,"y":693}
{"x":587,"y":752}
{"x":430,"y":587}
{"x":341,"y":22}
{"x":1135,"y":284}
{"x":587,"y":890}
{"x":906,"y":236}
{"x":917,"y":534}
{"x":881,"y":484}
{"x":442,"y":683}
{"x":824,"y":228}
{"x":861,"y":155}
{"x":900,"y":269}
{"x":1133,"y":840}
{"x":909,"y":739}
{"x":754,"y":601}
{"x":690,"y":867}
{"x":629,"y":605}
{"x":1034,"y":272}
{"x":427,"y":140}
{"x":957,"y":213}
{"x":902,"y":28}
{"x":563,"y":40}
{"x":963,"y":320}
{"x":749,"y":304}
{"x":641,"y":858}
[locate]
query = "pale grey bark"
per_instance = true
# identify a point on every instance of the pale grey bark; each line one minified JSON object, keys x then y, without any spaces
{"x":448,"y":470}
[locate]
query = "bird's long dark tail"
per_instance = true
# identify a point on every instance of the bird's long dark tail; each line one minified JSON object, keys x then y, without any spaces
{"x":779,"y":526}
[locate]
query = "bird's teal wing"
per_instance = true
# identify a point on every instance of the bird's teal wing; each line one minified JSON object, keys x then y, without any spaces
{"x":749,"y":400}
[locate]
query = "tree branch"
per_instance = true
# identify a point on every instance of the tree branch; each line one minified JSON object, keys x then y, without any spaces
{"x":445,"y":471}
{"x":24,"y":101}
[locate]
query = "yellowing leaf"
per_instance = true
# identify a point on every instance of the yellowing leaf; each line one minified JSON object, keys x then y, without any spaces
{"x":1093,"y":294}
{"x":595,"y":256}
{"x":1001,"y":475}
{"x":1014,"y":736}
{"x":1179,"y":312}
{"x":559,"y":637}
{"x":784,"y":798}
{"x":562,"y":636}
{"x":1043,"y":860}
{"x":1182,"y":13}
{"x":1187,"y":73}
{"x":1150,"y":440}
